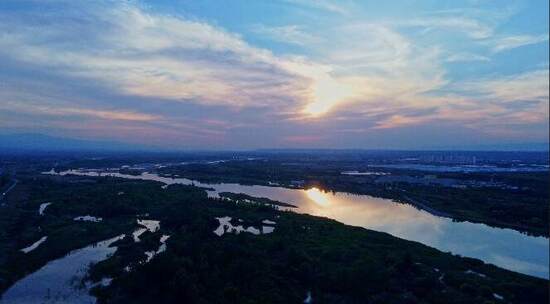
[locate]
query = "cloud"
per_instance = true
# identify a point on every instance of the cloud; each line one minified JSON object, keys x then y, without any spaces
{"x":291,"y":34}
{"x":471,"y":27}
{"x":151,"y":55}
{"x":397,"y":121}
{"x":325,"y":5}
{"x":512,"y":42}
{"x":113,"y":68}
{"x":532,"y":85}
{"x":461,"y":57}
{"x":373,"y":63}
{"x":498,"y":106}
{"x":56,"y":110}
{"x":513,"y":106}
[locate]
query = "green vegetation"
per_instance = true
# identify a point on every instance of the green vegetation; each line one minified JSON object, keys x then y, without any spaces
{"x":241,"y":197}
{"x":337,"y":263}
{"x":524,"y":208}
{"x":21,"y":224}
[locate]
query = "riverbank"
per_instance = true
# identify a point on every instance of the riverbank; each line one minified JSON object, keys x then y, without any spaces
{"x":503,"y":247}
{"x":332,"y":261}
{"x":523,"y":209}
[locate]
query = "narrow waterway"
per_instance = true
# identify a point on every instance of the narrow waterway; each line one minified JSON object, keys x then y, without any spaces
{"x":60,"y":281}
{"x":505,"y":248}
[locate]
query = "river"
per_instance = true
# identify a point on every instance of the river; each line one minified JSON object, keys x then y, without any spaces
{"x":505,"y":248}
{"x":60,"y":280}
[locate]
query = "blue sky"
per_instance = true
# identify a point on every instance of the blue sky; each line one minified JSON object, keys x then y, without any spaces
{"x":264,"y":74}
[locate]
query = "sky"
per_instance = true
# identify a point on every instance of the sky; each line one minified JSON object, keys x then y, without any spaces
{"x":277,"y":74}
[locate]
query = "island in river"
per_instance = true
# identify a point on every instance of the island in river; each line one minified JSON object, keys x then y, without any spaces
{"x":502,"y":190}
{"x":172,"y":241}
{"x":171,"y":251}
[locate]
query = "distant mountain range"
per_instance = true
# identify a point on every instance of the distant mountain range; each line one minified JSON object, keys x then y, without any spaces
{"x":41,"y":142}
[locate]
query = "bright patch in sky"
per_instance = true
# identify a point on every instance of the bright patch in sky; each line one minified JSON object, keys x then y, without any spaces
{"x":327,"y":93}
{"x":262,"y":74}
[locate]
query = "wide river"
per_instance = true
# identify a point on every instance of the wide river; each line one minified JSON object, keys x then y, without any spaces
{"x":505,"y":248}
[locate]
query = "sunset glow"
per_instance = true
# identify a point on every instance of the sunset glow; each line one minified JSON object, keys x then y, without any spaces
{"x":287,"y":151}
{"x":328,"y":92}
{"x":352,"y":74}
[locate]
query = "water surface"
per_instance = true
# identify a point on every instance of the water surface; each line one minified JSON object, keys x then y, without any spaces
{"x":505,"y":248}
{"x":59,"y":281}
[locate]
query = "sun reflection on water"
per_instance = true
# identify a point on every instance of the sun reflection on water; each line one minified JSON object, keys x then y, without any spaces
{"x":317,"y":196}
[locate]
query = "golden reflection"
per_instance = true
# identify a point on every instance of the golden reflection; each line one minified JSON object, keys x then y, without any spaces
{"x":317,"y":196}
